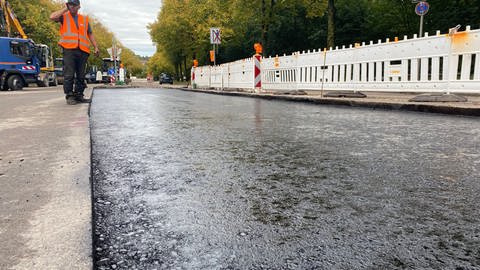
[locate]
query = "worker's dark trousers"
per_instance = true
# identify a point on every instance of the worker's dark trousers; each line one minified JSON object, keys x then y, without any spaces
{"x":74,"y":61}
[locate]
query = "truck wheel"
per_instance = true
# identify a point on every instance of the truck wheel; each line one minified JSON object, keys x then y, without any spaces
{"x":45,"y":82}
{"x":15,"y":82}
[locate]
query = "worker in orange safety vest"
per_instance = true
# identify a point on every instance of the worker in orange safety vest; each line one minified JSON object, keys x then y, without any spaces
{"x":75,"y":37}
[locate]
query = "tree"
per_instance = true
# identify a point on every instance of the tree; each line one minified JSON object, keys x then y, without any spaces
{"x":131,"y":61}
{"x":34,"y":18}
{"x":286,"y":26}
{"x":158,"y":64}
{"x":331,"y":23}
{"x":172,"y":32}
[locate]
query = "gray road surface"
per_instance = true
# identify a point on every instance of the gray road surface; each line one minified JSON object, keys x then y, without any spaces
{"x":195,"y":181}
{"x":45,"y":202}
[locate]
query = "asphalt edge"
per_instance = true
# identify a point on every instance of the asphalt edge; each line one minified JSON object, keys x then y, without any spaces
{"x":95,"y":238}
{"x":126,"y":86}
{"x":92,"y":193}
{"x":393,"y":106}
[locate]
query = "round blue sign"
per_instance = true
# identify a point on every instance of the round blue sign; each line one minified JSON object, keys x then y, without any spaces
{"x":422,"y":8}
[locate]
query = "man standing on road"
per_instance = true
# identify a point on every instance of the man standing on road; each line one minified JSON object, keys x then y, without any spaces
{"x":75,"y":37}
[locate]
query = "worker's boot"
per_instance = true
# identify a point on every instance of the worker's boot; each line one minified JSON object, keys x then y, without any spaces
{"x":81,"y":99}
{"x":71,"y":100}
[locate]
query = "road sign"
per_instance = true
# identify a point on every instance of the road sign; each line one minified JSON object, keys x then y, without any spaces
{"x":215,"y":37}
{"x":112,"y":53}
{"x":422,"y":8}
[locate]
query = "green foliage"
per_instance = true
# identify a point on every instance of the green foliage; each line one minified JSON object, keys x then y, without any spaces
{"x":159,"y":63}
{"x":34,"y":18}
{"x":131,"y":61}
{"x":181,"y":30}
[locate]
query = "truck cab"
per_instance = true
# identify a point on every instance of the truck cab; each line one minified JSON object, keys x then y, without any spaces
{"x":19,"y":64}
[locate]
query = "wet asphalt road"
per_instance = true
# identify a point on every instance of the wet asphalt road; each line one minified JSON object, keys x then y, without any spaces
{"x":187,"y":180}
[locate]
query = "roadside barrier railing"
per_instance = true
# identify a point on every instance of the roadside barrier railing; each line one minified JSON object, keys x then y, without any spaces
{"x":441,"y":63}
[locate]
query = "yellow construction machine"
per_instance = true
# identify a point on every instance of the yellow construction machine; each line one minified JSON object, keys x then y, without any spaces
{"x":12,"y":30}
{"x":8,"y":19}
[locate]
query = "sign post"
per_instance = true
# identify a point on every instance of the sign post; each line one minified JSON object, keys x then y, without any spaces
{"x":215,"y":39}
{"x":421,"y":9}
{"x":114,"y":53}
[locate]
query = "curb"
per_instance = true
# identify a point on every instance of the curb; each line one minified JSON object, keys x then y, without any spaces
{"x":400,"y":106}
{"x":114,"y":87}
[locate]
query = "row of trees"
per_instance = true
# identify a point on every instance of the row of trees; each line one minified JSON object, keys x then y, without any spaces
{"x":181,"y":30}
{"x":34,"y":18}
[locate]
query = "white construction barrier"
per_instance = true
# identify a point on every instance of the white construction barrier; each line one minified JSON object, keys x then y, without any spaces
{"x":440,"y":63}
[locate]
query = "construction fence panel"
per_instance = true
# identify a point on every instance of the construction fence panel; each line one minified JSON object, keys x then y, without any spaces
{"x":240,"y":74}
{"x":216,"y":76}
{"x":279,"y":73}
{"x":439,"y":63}
{"x":202,"y":76}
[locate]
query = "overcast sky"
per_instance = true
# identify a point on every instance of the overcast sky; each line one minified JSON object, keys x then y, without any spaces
{"x":127,"y":19}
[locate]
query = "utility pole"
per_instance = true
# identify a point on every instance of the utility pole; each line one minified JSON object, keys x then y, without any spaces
{"x":114,"y":55}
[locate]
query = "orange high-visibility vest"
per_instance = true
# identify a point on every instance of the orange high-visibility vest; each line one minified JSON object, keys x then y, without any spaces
{"x":71,"y":36}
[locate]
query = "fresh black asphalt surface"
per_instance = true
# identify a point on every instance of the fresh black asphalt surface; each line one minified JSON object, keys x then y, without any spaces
{"x":187,"y":180}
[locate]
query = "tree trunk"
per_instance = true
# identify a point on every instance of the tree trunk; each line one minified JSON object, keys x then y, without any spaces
{"x":264,"y":24}
{"x":331,"y":23}
{"x":178,"y":69}
{"x":185,"y":68}
{"x":266,"y":20}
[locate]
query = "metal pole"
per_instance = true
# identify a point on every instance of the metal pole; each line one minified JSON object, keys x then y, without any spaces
{"x":323,"y":67}
{"x":221,"y":69}
{"x":449,"y":62}
{"x":420,"y":34}
{"x":451,"y":34}
{"x":114,"y":54}
{"x":214,"y":56}
{"x":356,"y":72}
{"x":210,"y":76}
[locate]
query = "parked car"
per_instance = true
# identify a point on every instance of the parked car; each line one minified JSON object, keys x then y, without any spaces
{"x":91,"y":77}
{"x":165,"y":78}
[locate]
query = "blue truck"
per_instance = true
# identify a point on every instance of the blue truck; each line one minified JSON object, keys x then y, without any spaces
{"x":19,"y":63}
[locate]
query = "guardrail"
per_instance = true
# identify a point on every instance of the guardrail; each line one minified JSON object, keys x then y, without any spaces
{"x":440,"y":63}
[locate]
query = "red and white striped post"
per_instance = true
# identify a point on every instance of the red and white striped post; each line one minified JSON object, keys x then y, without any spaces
{"x":194,"y":68}
{"x":257,"y":60}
